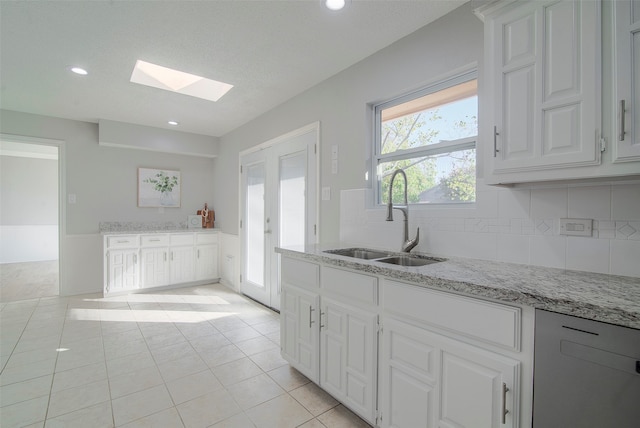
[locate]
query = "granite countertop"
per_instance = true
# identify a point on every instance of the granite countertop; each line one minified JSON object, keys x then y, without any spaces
{"x":607,"y":298}
{"x":151,"y":231}
{"x":132,"y":227}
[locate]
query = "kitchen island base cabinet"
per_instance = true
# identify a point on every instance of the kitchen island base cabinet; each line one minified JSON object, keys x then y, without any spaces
{"x":429,"y":380}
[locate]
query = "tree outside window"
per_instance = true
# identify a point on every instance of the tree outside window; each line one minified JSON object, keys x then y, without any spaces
{"x":431,"y":135}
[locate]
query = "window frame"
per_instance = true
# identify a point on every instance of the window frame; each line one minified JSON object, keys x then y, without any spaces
{"x":444,"y":146}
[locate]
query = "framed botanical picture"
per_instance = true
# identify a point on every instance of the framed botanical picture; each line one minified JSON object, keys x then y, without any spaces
{"x":158,"y":188}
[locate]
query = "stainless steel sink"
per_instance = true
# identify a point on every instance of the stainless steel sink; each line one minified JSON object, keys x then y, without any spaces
{"x":359,"y":253}
{"x":391,"y":258}
{"x":410,"y":260}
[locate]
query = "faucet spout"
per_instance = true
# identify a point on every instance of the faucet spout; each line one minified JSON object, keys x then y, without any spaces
{"x":408,"y":244}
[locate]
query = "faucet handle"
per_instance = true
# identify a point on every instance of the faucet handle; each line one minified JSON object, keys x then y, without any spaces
{"x":411,"y":243}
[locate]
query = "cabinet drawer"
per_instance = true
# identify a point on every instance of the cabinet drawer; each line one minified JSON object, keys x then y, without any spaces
{"x":355,"y":286}
{"x":489,"y":322}
{"x":206,"y":238}
{"x":300,"y":273}
{"x":181,"y":238}
{"x":122,"y":241}
{"x":154,"y":240}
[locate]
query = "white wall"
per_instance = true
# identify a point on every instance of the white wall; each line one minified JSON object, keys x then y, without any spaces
{"x":514,"y":225}
{"x":341,"y":105}
{"x":28,"y":209}
{"x":104,"y":180}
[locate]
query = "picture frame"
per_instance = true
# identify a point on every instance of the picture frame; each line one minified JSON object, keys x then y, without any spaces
{"x":159,"y":188}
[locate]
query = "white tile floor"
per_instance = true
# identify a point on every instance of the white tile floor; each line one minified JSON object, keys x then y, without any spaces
{"x":193,"y":357}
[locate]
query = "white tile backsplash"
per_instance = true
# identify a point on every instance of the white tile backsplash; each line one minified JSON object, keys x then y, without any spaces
{"x":549,"y":251}
{"x":624,"y":258}
{"x":513,"y":248}
{"x":625,"y":202}
{"x":587,"y":254}
{"x":549,"y":203}
{"x":514,"y":225}
{"x":590,"y":202}
{"x":514,"y":203}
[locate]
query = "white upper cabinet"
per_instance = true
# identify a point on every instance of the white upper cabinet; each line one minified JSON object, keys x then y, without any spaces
{"x":627,"y":39}
{"x":540,"y":109}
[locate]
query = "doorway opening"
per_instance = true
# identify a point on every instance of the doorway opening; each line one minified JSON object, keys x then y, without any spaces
{"x":29,"y":219}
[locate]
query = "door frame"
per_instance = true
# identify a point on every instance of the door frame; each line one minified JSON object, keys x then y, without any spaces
{"x":312,"y":127}
{"x":62,"y":195}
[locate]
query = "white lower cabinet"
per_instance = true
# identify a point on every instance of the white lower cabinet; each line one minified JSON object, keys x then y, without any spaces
{"x":405,"y":356}
{"x":348,"y":346}
{"x":181,"y":265}
{"x":122,"y":272}
{"x":153,"y":260}
{"x":429,"y":380}
{"x":299,"y":330}
{"x":206,"y":267}
{"x":155,"y":267}
{"x":331,"y":339}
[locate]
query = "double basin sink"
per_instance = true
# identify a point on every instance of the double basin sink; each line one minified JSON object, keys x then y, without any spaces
{"x":386,"y":257}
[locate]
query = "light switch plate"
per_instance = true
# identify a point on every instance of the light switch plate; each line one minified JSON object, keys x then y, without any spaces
{"x":326,"y":193}
{"x":576,"y":226}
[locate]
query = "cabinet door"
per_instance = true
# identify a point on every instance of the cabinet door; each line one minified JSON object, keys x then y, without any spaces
{"x":429,"y":380}
{"x":477,"y":388}
{"x":543,"y":59}
{"x":207,"y":262}
{"x":155,"y":267}
{"x":348,"y":345}
{"x":627,"y":25}
{"x":122,"y":270}
{"x":181,"y":264}
{"x":299,"y":330}
{"x":408,"y":377}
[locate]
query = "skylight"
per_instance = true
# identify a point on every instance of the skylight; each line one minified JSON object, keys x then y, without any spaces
{"x":145,"y":73}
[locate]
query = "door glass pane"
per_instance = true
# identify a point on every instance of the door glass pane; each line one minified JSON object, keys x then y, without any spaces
{"x":255,"y":224}
{"x":292,"y":199}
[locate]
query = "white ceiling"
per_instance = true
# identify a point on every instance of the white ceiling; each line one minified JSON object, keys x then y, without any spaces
{"x":269,"y":50}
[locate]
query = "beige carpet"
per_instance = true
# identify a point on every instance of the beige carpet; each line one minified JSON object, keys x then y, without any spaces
{"x":29,"y":280}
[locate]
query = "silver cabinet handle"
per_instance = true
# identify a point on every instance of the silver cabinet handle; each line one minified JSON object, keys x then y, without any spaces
{"x":123,"y":242}
{"x":311,"y":321}
{"x":154,"y":240}
{"x":321,"y":325}
{"x":198,"y":253}
{"x":505,"y":389}
{"x":495,"y":141}
{"x":135,"y":259}
{"x":623,"y":110}
{"x":172,"y":256}
{"x":165,"y":256}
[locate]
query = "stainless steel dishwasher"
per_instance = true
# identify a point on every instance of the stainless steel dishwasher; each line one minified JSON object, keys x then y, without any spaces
{"x":586,"y":373}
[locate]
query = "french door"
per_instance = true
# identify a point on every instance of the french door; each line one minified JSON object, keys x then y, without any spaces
{"x":278,"y":208}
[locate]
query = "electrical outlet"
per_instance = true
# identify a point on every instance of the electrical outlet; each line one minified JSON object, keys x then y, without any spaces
{"x":576,"y":226}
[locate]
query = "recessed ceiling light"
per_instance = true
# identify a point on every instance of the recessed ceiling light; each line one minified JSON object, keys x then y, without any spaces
{"x":79,"y":70}
{"x":335,"y":4}
{"x":157,"y":76}
{"x":173,"y":123}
